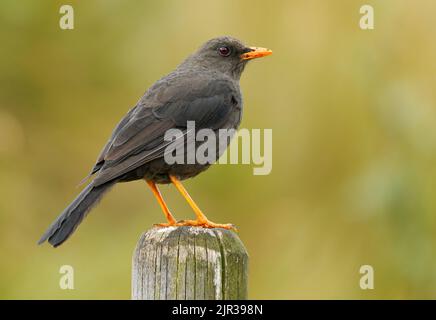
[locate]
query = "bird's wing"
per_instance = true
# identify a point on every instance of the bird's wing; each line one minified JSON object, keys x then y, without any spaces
{"x":168,"y":104}
{"x":119,"y":126}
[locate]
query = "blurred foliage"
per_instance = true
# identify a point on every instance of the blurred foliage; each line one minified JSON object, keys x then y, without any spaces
{"x":354,"y":142}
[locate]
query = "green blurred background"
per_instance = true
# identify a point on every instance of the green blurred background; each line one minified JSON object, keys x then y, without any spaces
{"x":354,"y":142}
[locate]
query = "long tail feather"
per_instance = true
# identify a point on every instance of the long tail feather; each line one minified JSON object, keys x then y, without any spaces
{"x":67,"y":222}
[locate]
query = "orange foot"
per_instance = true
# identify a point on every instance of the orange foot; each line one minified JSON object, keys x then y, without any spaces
{"x":166,"y":224}
{"x":205,"y":224}
{"x":171,"y":223}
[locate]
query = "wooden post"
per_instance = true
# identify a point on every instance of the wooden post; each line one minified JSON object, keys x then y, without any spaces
{"x":181,"y":263}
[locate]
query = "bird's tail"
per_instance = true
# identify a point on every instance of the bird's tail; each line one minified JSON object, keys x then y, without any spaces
{"x":70,"y":218}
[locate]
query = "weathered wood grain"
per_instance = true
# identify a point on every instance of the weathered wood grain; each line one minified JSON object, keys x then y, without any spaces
{"x":181,"y":263}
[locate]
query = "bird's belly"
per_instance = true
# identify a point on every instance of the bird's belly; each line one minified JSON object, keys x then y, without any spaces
{"x":159,"y":170}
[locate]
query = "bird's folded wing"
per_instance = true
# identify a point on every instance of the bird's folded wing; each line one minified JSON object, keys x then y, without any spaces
{"x":140,"y":138}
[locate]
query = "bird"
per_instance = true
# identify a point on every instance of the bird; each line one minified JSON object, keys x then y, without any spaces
{"x":204,"y":89}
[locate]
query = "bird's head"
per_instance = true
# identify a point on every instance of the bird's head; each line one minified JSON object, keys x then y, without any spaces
{"x":225,"y":54}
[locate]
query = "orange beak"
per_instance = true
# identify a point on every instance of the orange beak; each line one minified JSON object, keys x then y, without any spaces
{"x":255,"y":53}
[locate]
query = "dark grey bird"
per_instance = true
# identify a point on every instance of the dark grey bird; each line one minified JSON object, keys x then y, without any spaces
{"x":204,"y":89}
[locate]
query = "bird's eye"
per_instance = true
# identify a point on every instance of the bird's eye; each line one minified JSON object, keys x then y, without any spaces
{"x":224,"y":51}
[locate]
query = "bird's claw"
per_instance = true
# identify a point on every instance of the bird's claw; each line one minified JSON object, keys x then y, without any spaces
{"x":206,"y":224}
{"x":196,"y":223}
{"x":165,"y":224}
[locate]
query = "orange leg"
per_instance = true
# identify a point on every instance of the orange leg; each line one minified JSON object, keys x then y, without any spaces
{"x":168,"y":215}
{"x":201,"y":220}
